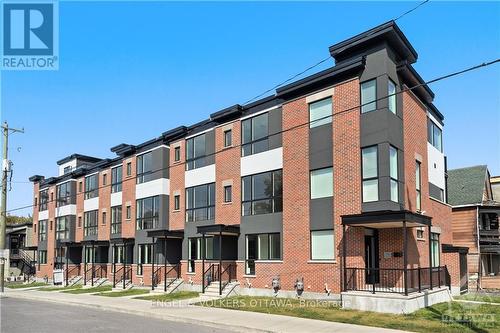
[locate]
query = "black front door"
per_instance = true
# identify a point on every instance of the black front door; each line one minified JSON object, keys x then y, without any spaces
{"x":371,"y":257}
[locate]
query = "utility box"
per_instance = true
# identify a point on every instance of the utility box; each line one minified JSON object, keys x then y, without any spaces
{"x":58,"y":276}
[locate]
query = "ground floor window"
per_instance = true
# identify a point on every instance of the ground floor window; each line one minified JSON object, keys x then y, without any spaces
{"x":322,"y":245}
{"x":90,"y":254}
{"x":145,"y":256}
{"x":118,"y":255}
{"x":194,"y":251}
{"x":42,"y":257}
{"x":261,"y":247}
{"x":435,"y":249}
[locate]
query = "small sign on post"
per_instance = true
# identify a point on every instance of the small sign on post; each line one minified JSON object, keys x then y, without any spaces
{"x":58,"y":276}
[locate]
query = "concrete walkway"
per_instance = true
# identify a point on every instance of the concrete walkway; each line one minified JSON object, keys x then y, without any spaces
{"x":181,"y":311}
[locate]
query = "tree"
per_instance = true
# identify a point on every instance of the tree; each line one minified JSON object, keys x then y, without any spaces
{"x":13,"y":219}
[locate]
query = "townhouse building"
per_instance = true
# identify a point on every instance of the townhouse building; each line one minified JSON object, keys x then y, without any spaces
{"x":334,"y":185}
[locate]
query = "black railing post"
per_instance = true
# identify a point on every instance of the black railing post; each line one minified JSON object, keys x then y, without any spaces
{"x":124,"y":274}
{"x":67,"y":265}
{"x":419,"y":281}
{"x":153,"y":266}
{"x":405,"y":258}
{"x":93,"y":259}
{"x":165,"y":265}
{"x":220,"y":263}
{"x":430,"y":257}
{"x":344,"y":249}
{"x":439,"y":276}
{"x":372,"y":278}
{"x":203,"y":263}
{"x":84,"y":264}
{"x":114,"y":265}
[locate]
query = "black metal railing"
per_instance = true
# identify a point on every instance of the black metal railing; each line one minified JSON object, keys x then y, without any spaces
{"x":71,"y":271}
{"x":121,"y":274}
{"x":227,"y":275}
{"x":156,"y":276}
{"x":170,"y":275}
{"x":396,"y":280}
{"x":209,"y":275}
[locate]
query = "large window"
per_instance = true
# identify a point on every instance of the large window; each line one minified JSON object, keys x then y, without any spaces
{"x":62,"y":227}
{"x":90,"y":223}
{"x":148,"y":213}
{"x":144,"y":167}
{"x":116,"y":219}
{"x":255,"y":135}
{"x":322,"y":245}
{"x":320,"y":112}
{"x":370,"y":173}
{"x":118,"y":255}
{"x":91,"y":186}
{"x":321,"y":183}
{"x":434,"y":135}
{"x":368,"y":96}
{"x":393,"y":164}
{"x":200,"y":202}
{"x":42,"y":257}
{"x":145,"y":256}
{"x":418,"y":186}
{"x":391,"y":99}
{"x":194,"y":251}
{"x":262,"y":193}
{"x":196,"y":152}
{"x":116,"y":179}
{"x":261,"y":247}
{"x":44,"y":199}
{"x":63,"y":193}
{"x":435,"y":249}
{"x":42,"y":230}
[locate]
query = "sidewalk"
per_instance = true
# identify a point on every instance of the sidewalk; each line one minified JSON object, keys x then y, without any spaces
{"x":240,"y":321}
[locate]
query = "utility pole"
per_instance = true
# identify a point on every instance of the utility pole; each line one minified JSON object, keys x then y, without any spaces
{"x":3,"y":204}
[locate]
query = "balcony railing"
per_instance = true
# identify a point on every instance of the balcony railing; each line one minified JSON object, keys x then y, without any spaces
{"x":394,"y":280}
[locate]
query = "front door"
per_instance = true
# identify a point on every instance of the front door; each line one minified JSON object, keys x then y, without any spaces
{"x":371,"y":256}
{"x":464,"y":286}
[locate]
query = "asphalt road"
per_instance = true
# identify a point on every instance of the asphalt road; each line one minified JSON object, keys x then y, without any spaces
{"x":25,"y":316}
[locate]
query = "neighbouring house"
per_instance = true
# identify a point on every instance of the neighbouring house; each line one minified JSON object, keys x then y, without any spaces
{"x":334,"y":186}
{"x":495,"y":187}
{"x":475,"y":223}
{"x":21,"y":261}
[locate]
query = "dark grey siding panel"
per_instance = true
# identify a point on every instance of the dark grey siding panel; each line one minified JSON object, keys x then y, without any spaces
{"x":381,"y":126}
{"x":174,"y":250}
{"x":435,"y":191}
{"x":75,"y":255}
{"x":72,"y":227}
{"x":275,"y":127}
{"x":164,"y":212}
{"x":160,"y":163}
{"x":72,"y":194}
{"x":320,"y":147}
{"x":42,"y":245}
{"x":321,"y":214}
{"x":210,"y":146}
{"x":258,"y":224}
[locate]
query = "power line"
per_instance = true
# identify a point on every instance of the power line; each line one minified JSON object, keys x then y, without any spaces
{"x":320,"y":62}
{"x":440,"y":78}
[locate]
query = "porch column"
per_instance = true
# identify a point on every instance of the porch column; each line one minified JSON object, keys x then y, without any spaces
{"x":67,"y":264}
{"x":124,"y":274}
{"x":203,"y":262}
{"x":93,"y":260}
{"x":114,"y":264}
{"x":153,"y":265}
{"x":430,"y":256}
{"x":344,"y":254}
{"x":165,"y":264}
{"x":220,"y":262}
{"x":405,"y":258}
{"x":84,"y":264}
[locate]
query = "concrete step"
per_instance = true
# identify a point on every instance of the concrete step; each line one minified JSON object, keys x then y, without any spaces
{"x":74,"y":280}
{"x":212,"y":291}
{"x":173,"y":286}
{"x":119,"y":285}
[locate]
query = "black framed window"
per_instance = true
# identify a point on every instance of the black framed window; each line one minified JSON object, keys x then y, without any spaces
{"x":44,"y":199}
{"x":129,"y":169}
{"x":116,"y":179}
{"x":261,"y":247}
{"x":63,"y":194}
{"x":42,"y":257}
{"x":144,"y":256}
{"x":42,"y":230}
{"x":255,"y":135}
{"x":67,"y":169}
{"x":196,"y":152}
{"x":79,"y":221}
{"x":116,"y":219}
{"x":368,"y":96}
{"x":62,"y":227}
{"x":90,"y":223}
{"x":370,"y":173}
{"x":262,"y":193}
{"x":144,"y":167}
{"x":200,"y":202}
{"x":104,"y":179}
{"x":391,"y":96}
{"x":434,"y":135}
{"x":194,"y":251}
{"x":80,"y":186}
{"x":393,"y":165}
{"x":434,"y":239}
{"x":228,"y":138}
{"x":228,"y":193}
{"x":320,"y":112}
{"x":177,"y":154}
{"x":148,"y":214}
{"x":323,"y":245}
{"x":177,"y":202}
{"x":91,"y":186}
{"x":103,"y":219}
{"x":128,"y":213}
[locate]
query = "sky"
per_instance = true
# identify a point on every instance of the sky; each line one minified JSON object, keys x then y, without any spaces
{"x":129,"y":71}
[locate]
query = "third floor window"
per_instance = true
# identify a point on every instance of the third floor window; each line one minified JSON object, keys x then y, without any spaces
{"x":255,"y":135}
{"x":148,"y":215}
{"x":196,"y":152}
{"x":63,"y":194}
{"x":62,"y":227}
{"x":434,"y":135}
{"x":200,"y":202}
{"x":42,"y":230}
{"x":262,"y":193}
{"x":116,"y":179}
{"x":44,"y":199}
{"x":91,"y":186}
{"x":369,"y":96}
{"x":90,"y":223}
{"x":144,"y":167}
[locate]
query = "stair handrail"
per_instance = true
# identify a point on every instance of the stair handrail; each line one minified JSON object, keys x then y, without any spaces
{"x":156,"y":276}
{"x":207,"y":281}
{"x":230,"y":271}
{"x":175,"y":267}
